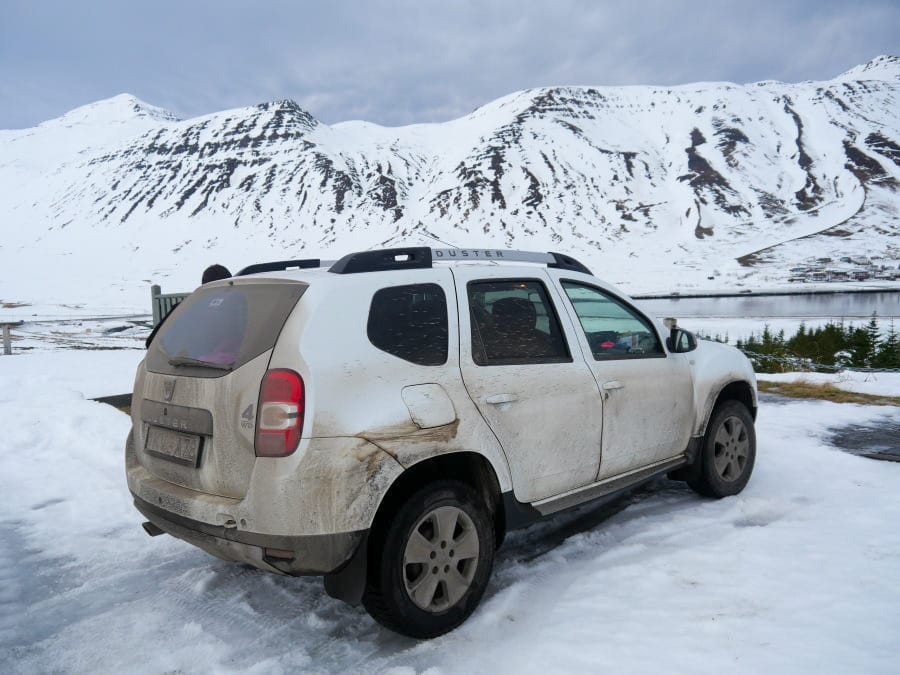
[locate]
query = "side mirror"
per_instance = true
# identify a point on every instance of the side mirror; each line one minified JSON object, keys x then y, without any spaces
{"x":681,"y":341}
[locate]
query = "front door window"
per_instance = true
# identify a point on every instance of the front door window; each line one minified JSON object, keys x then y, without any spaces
{"x":648,"y":397}
{"x":613,"y":330}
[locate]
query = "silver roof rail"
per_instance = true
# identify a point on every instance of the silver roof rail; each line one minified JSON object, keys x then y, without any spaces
{"x":422,"y":257}
{"x":418,"y":257}
{"x":469,"y":254}
{"x":556,"y":260}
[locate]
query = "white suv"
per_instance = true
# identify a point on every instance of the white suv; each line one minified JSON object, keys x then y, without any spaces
{"x":384,"y":420}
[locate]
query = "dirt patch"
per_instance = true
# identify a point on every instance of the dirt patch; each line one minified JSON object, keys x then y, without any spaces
{"x":884,"y":146}
{"x":408,"y":430}
{"x":861,"y":165}
{"x":827,"y":392}
{"x":14,"y":305}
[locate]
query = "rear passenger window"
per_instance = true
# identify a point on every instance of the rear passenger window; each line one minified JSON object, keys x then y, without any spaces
{"x":514,"y":322}
{"x":410,"y":322}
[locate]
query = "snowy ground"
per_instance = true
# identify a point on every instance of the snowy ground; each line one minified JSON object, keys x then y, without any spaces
{"x":800,"y":573}
{"x":91,"y":332}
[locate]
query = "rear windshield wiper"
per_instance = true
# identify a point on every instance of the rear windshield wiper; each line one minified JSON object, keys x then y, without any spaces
{"x":186,"y":361}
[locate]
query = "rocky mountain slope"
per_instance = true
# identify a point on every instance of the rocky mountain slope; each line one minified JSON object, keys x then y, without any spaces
{"x":658,"y":188}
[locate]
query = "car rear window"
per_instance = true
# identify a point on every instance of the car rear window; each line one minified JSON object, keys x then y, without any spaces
{"x":410,"y":322}
{"x":218,"y":329}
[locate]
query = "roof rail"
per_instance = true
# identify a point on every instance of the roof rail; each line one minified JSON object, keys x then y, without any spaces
{"x":555,"y":260}
{"x":417,"y":257}
{"x":566,"y":262}
{"x":422,"y":257}
{"x":280,"y":266}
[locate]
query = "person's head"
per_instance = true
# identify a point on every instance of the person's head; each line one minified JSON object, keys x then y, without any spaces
{"x":214,"y":273}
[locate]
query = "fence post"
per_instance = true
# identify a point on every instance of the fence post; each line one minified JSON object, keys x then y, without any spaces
{"x":155,"y":292}
{"x":7,"y":342}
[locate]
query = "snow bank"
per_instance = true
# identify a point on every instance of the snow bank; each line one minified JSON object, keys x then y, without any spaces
{"x":84,"y":373}
{"x":798,"y":574}
{"x":879,"y":384}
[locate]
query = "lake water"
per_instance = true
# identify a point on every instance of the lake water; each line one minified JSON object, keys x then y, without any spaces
{"x":832,"y":305}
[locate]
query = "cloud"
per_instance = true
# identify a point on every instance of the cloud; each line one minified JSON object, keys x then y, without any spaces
{"x":410,"y":61}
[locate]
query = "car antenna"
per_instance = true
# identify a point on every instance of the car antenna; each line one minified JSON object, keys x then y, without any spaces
{"x":440,"y":241}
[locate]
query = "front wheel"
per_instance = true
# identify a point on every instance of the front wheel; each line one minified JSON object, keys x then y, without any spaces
{"x":728,"y":452}
{"x":430,"y":564}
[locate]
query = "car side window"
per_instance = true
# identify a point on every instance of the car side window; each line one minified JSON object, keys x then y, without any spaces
{"x":514,"y":322}
{"x":410,"y":322}
{"x":613,"y":329}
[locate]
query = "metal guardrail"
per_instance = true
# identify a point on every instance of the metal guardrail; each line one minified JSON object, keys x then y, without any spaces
{"x":163,"y":303}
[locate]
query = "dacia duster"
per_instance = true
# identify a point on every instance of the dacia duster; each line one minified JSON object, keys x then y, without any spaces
{"x":385,"y":419}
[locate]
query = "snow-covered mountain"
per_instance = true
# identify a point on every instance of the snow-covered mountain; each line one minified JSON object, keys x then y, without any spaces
{"x":656,"y":188}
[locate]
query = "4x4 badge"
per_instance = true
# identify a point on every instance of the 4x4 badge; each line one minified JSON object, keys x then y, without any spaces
{"x":168,"y":390}
{"x":247,"y":417}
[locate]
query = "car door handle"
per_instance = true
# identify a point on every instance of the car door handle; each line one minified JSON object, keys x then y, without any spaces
{"x":497,"y":399}
{"x":613,"y":384}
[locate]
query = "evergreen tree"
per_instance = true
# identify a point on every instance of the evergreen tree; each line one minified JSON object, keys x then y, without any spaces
{"x":834,"y":344}
{"x":887,"y":354}
{"x":864,"y":343}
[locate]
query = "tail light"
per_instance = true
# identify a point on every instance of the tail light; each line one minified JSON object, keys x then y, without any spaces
{"x":279,"y":421}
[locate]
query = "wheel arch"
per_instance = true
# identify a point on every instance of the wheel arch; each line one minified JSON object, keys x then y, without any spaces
{"x":735,"y":390}
{"x":468,"y":467}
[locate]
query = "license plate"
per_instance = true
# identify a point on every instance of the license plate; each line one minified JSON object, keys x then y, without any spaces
{"x":173,"y":445}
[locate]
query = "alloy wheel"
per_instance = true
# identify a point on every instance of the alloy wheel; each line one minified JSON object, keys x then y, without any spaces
{"x":440,"y":558}
{"x":731,"y":449}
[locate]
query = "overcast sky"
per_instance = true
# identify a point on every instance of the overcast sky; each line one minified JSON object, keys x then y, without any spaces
{"x":410,"y":61}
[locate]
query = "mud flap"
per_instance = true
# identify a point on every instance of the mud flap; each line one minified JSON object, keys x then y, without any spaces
{"x":349,"y":582}
{"x":691,"y":471}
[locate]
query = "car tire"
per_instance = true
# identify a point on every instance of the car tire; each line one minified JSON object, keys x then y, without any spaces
{"x":430,"y":561}
{"x":728,"y":452}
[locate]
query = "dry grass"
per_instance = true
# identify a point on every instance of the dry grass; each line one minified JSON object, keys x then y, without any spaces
{"x":827,"y":392}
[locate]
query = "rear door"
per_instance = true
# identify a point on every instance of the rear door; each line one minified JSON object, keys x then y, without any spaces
{"x":195,"y":408}
{"x":517,"y":362}
{"x":647,"y":392}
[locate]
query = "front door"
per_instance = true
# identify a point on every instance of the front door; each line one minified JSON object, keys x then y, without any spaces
{"x":647,"y":392}
{"x":523,"y":370}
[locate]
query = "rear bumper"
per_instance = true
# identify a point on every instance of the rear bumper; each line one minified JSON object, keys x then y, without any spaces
{"x":316,"y":554}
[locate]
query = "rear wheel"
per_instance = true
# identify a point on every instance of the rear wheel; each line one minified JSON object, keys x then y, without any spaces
{"x":430,"y":563}
{"x":728,"y":452}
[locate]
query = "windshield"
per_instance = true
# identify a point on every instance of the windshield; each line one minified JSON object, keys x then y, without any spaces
{"x":218,"y":329}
